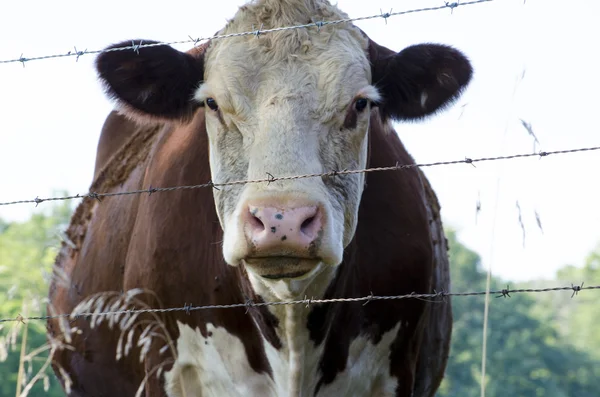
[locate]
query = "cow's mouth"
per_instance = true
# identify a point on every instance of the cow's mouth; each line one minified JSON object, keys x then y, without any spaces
{"x":280,"y":267}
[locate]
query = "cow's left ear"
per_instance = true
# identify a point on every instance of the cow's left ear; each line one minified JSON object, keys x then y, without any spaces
{"x":419,"y":80}
{"x":151,"y":82}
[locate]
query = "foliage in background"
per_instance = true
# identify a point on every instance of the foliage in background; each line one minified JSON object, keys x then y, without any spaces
{"x":27,"y":252}
{"x":527,"y":353}
{"x":577,"y":320}
{"x":540,"y":345}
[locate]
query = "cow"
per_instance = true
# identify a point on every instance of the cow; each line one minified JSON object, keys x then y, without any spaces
{"x":288,"y":103}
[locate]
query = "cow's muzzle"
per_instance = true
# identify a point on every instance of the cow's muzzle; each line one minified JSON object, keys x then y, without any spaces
{"x":282,"y":242}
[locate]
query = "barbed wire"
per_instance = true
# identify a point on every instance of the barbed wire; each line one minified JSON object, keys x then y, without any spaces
{"x":435,"y":297}
{"x":136,"y":47}
{"x":270,"y":178}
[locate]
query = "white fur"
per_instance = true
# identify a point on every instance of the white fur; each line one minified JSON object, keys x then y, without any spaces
{"x":217,"y":366}
{"x":367,"y":370}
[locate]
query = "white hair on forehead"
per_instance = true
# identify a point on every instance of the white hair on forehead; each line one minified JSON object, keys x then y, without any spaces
{"x":287,"y":12}
{"x":279,"y":45}
{"x":329,"y":64}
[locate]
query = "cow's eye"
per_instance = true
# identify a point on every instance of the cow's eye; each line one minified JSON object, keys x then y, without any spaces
{"x":361,"y":104}
{"x":212,"y":104}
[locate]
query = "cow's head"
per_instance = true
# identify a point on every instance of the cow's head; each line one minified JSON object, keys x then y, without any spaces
{"x":280,"y":104}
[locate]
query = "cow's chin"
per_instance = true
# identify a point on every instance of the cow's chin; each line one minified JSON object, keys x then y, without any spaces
{"x":281,"y":267}
{"x":284,"y":278}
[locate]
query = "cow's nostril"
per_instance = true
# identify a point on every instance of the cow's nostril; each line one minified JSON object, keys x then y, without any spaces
{"x":311,"y":225}
{"x":304,"y":228}
{"x":256,"y":224}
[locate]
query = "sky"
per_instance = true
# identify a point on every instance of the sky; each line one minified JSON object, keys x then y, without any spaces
{"x":534,"y":60}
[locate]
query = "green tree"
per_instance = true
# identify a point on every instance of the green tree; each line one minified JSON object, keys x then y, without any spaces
{"x":526,"y":355}
{"x":580,"y":315}
{"x":577,"y":318}
{"x":27,"y":252}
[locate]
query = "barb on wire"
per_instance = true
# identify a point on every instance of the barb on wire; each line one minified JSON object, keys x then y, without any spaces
{"x":270,"y":178}
{"x":433,"y":297}
{"x":195,"y":41}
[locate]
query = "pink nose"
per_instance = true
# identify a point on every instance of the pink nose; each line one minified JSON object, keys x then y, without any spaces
{"x":289,"y":231}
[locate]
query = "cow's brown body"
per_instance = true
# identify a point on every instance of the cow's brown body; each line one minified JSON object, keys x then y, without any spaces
{"x":168,"y":242}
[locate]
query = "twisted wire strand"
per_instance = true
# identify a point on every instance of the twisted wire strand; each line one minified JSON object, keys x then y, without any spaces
{"x":270,"y":178}
{"x":433,"y":297}
{"x":136,"y":47}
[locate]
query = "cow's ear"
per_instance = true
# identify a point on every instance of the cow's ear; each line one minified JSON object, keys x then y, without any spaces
{"x":419,"y":80}
{"x":156,"y":80}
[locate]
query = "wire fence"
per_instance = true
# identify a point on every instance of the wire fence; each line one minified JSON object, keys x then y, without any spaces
{"x":435,"y":297}
{"x":257,"y":32}
{"x":270,"y":178}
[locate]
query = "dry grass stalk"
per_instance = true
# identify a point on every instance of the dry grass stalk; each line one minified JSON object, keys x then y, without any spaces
{"x":114,"y":309}
{"x":129,"y":324}
{"x":26,"y":379}
{"x":21,"y":380}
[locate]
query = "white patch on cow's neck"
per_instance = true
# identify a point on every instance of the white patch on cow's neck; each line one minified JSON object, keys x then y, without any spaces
{"x":298,"y":354}
{"x":367,"y":369}
{"x":214,"y":366}
{"x":217,"y":365}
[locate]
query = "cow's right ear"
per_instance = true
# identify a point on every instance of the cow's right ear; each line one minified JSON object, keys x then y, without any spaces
{"x":156,"y":80}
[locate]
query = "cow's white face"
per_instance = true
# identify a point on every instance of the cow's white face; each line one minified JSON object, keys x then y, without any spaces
{"x":289,"y":103}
